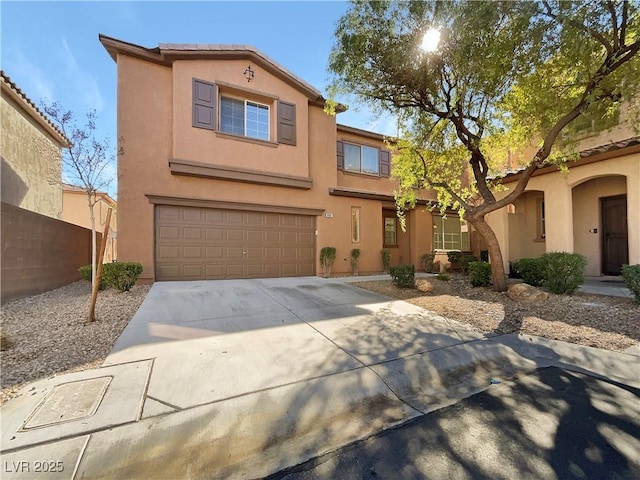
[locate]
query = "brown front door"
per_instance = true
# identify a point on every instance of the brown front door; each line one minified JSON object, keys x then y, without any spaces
{"x":615,"y":245}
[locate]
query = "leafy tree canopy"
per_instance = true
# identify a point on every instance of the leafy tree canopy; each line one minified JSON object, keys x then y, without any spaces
{"x":505,"y":76}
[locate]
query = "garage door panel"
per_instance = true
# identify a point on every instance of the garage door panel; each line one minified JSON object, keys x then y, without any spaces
{"x":192,"y":215}
{"x":272,"y":219}
{"x":306,"y":222}
{"x":271,"y":236}
{"x":169,"y":233}
{"x":214,"y":252}
{"x":234,"y":218}
{"x":290,"y":237}
{"x":235,"y":235}
{"x":166,"y":252}
{"x":213,"y":234}
{"x":200,"y":243}
{"x":234,"y":252}
{"x":235,"y":270}
{"x":192,"y":252}
{"x":214,"y":217}
{"x":254,"y":236}
{"x":305,"y":253}
{"x":191,"y":233}
{"x":193,"y":271}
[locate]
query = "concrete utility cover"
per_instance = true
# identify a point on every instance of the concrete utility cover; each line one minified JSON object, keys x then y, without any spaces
{"x":69,"y":401}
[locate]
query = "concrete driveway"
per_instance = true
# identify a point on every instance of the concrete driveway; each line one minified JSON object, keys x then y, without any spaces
{"x":242,"y":378}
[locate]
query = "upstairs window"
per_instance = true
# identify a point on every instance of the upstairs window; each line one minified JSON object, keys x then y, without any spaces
{"x":222,"y":112}
{"x":361,"y":159}
{"x":245,"y":118}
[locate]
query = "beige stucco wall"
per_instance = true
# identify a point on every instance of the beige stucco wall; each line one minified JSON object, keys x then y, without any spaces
{"x":75,"y":210}
{"x":523,"y":227}
{"x":572,"y":208}
{"x":30,"y":179}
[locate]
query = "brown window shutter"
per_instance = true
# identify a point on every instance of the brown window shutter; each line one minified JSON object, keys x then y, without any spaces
{"x":286,"y":123}
{"x":340,"y":154}
{"x":385,"y":160}
{"x":205,"y":99}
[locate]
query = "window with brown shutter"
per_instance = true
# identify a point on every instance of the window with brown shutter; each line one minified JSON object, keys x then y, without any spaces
{"x":286,"y":123}
{"x":204,"y":104}
{"x":385,"y":166}
{"x":340,"y":154}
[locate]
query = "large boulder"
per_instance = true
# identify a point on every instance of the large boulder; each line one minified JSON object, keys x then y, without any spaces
{"x":521,"y":292}
{"x":424,"y":285}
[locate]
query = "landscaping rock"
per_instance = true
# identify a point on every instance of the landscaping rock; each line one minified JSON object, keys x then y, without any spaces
{"x":424,"y":285}
{"x":526,"y":293}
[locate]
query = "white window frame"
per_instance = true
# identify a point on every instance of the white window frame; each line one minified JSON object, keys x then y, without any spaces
{"x":444,"y":240}
{"x":245,"y":102}
{"x":360,"y":170}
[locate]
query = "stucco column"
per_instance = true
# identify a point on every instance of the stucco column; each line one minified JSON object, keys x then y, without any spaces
{"x":558,"y":218}
{"x":633,"y":218}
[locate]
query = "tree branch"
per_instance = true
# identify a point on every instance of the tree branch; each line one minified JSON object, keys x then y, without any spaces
{"x":561,"y":19}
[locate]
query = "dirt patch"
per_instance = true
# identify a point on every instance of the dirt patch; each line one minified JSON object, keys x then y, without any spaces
{"x":600,"y":321}
{"x":48,"y":333}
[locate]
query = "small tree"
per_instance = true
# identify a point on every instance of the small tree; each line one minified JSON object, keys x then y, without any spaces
{"x":83,"y":163}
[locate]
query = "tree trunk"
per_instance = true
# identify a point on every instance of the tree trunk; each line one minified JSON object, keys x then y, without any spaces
{"x":93,"y":250}
{"x":495,"y":254}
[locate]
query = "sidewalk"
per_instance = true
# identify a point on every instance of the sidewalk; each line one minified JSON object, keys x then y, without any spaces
{"x":316,"y":366}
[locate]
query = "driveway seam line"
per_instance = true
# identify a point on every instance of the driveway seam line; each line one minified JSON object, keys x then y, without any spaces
{"x":175,"y":407}
{"x":80,"y":455}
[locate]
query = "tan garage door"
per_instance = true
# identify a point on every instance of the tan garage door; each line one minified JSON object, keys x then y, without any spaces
{"x":206,"y":244}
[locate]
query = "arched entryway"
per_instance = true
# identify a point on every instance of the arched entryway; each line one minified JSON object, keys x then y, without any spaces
{"x":600,"y":226}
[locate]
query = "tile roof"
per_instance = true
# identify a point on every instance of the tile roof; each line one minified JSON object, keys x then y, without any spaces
{"x":608,"y":147}
{"x":36,"y":111}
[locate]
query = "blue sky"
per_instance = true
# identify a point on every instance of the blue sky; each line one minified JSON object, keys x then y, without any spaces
{"x":51,"y":49}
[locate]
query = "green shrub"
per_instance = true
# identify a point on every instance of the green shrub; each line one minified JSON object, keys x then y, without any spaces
{"x":385,"y":255}
{"x":327,"y":257}
{"x":480,"y":274}
{"x":454,"y":258}
{"x":355,"y":255}
{"x":445,"y":277}
{"x":464,"y":262}
{"x":563,"y":272}
{"x":531,"y":270}
{"x":426,"y":261}
{"x":121,"y":275}
{"x":403,"y":276}
{"x":631,"y":275}
{"x":86,"y":274}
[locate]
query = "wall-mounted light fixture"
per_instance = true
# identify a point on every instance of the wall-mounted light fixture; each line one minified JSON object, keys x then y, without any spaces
{"x":249,"y":73}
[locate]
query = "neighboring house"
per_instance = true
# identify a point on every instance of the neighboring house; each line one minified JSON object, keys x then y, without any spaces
{"x":591,"y":210}
{"x":233,"y":170}
{"x":75,"y":209}
{"x":31,"y":154}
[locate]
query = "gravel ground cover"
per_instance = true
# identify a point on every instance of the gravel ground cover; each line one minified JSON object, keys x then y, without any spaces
{"x":49,"y":333}
{"x":600,"y":321}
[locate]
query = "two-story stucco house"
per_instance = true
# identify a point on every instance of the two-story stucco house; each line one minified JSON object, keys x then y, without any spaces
{"x":30,"y":152}
{"x":231,"y":169}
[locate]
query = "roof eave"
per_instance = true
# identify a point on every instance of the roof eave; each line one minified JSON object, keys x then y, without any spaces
{"x":35,"y":114}
{"x":166,"y":56}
